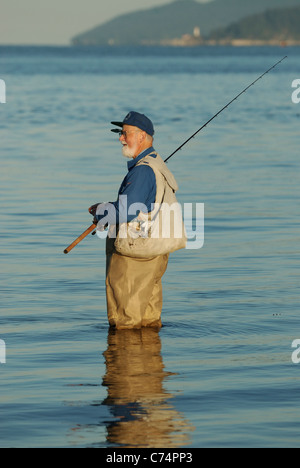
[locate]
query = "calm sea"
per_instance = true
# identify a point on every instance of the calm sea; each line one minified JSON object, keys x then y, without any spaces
{"x":220,"y":372}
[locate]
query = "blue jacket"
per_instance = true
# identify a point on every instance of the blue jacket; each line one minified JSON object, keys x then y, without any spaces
{"x":139,"y":186}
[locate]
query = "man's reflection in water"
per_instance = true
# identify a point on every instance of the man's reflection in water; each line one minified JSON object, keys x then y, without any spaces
{"x":136,"y":396}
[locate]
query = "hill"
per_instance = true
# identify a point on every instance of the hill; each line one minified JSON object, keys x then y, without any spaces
{"x":272,"y":25}
{"x":156,"y":25}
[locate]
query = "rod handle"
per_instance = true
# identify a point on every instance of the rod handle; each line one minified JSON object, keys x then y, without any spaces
{"x":80,"y":238}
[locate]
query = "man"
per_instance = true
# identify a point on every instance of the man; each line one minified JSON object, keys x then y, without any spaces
{"x":136,"y":264}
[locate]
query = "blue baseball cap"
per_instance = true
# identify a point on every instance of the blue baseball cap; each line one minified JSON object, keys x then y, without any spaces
{"x":135,"y":119}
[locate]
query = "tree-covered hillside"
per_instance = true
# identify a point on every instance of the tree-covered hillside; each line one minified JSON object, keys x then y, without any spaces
{"x":172,"y":20}
{"x":280,"y":24}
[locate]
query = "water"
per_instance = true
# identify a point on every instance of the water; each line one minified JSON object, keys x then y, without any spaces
{"x":220,"y":371}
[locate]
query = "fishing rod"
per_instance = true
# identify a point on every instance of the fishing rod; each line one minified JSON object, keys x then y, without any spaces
{"x":80,"y":238}
{"x":93,"y":226}
{"x":225,"y":107}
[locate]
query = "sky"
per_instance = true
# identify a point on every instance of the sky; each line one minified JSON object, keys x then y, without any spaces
{"x":55,"y":22}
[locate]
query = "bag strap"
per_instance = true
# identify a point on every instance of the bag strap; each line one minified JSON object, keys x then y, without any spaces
{"x":160,"y":192}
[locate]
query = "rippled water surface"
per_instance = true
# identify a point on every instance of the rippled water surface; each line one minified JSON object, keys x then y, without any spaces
{"x":220,"y":372}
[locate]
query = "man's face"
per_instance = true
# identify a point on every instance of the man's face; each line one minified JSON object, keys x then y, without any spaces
{"x":131,"y":141}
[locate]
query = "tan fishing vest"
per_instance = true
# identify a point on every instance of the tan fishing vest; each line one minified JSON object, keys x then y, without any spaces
{"x":162,"y":230}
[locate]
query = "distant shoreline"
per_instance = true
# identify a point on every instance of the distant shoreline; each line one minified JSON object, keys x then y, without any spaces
{"x":252,"y":43}
{"x":190,"y":42}
{"x":176,"y":43}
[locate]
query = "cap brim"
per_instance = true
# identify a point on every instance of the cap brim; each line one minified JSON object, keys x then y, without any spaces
{"x":118,"y":124}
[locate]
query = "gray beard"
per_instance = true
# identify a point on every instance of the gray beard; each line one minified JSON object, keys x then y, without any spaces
{"x":127,"y":153}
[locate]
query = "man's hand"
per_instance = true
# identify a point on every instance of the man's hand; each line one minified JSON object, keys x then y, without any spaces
{"x":92,"y":211}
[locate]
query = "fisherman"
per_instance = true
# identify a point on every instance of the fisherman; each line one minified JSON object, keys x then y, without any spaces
{"x":137,"y":258}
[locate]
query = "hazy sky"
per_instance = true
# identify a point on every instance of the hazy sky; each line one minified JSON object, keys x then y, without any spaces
{"x":56,"y":21}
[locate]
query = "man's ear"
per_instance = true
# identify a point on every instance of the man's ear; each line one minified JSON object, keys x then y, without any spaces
{"x":142,"y":136}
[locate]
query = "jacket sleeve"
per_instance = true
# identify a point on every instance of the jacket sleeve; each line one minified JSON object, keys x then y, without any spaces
{"x":137,"y":193}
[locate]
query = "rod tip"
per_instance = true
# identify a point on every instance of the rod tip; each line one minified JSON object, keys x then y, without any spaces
{"x":66,"y":251}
